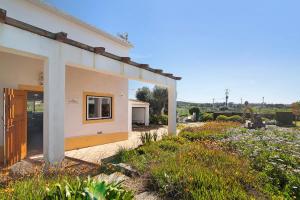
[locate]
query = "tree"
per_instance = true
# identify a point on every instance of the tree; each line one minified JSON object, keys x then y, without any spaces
{"x":143,"y":94}
{"x":158,"y":99}
{"x":296,"y":109}
{"x":195,"y":110}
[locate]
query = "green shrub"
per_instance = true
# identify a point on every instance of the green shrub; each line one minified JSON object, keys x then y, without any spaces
{"x":195,"y":110}
{"x":154,"y":119}
{"x":207,"y":117}
{"x":222,"y":118}
{"x":159,"y":119}
{"x":163,"y":119}
{"x":235,"y":118}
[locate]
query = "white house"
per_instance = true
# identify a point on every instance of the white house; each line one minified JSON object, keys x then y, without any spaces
{"x":73,"y":75}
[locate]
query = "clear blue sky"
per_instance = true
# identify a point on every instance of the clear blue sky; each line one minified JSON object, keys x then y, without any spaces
{"x":251,"y":47}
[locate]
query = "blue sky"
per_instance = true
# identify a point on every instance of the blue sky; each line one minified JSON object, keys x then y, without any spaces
{"x":251,"y":47}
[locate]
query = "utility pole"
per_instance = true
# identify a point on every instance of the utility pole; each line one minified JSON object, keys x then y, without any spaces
{"x":227,"y":96}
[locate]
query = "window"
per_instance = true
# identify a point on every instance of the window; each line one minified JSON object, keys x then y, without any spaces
{"x":98,"y":107}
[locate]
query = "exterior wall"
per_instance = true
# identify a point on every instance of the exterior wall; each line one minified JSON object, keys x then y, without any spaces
{"x":55,"y":56}
{"x":29,"y":12}
{"x":79,"y":81}
{"x":15,"y":70}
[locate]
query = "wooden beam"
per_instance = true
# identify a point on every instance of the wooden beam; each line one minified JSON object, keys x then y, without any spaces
{"x":2,"y":15}
{"x":61,"y":36}
{"x":125,"y":59}
{"x":99,"y":50}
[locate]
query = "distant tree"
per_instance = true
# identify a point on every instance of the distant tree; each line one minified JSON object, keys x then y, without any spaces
{"x":195,"y":110}
{"x":296,"y":109}
{"x":143,"y":94}
{"x":158,"y":99}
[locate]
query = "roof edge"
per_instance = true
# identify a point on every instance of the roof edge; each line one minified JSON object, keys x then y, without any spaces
{"x":78,"y":21}
{"x":63,"y":37}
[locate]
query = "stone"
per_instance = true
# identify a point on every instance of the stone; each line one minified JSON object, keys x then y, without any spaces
{"x":22,"y":168}
{"x":116,"y":177}
{"x":126,"y":169}
{"x":147,"y":196}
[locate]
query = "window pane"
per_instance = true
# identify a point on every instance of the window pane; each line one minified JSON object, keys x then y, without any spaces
{"x":93,"y":107}
{"x":106,"y":105}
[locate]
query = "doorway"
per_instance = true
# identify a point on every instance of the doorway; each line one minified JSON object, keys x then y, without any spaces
{"x":35,"y":122}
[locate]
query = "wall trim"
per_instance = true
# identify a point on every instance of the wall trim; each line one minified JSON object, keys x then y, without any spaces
{"x":94,"y":140}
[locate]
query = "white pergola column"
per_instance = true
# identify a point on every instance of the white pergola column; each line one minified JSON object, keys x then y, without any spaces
{"x":54,"y":107}
{"x":172,"y":104}
{"x":147,"y":115}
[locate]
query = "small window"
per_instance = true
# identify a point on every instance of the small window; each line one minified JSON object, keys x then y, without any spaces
{"x":98,"y":107}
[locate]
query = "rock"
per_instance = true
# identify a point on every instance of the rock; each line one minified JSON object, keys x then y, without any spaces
{"x":101,"y":177}
{"x":126,"y":169}
{"x":22,"y":168}
{"x":147,"y":196}
{"x":116,"y":177}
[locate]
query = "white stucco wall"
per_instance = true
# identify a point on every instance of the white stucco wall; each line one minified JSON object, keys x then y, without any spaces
{"x":79,"y":81}
{"x":15,"y":70}
{"x":29,"y":12}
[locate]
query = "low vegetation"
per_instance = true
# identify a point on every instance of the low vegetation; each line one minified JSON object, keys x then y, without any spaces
{"x":221,"y":160}
{"x":63,"y":187}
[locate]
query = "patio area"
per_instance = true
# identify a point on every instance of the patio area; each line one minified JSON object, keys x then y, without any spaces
{"x":96,"y":153}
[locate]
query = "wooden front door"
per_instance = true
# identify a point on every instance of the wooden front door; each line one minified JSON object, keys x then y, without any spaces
{"x":15,"y":115}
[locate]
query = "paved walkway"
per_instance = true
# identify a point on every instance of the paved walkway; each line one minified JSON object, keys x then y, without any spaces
{"x":96,"y":153}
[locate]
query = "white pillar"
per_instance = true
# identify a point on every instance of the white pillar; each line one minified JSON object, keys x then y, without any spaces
{"x":147,"y":115}
{"x":54,"y":107}
{"x":172,"y":104}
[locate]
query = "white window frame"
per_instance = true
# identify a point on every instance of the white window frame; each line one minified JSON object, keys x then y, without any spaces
{"x":100,"y":107}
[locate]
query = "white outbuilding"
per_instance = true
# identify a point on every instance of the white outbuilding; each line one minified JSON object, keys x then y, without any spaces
{"x":138,"y":113}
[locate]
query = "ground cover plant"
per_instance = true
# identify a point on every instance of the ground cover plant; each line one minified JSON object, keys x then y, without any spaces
{"x":180,"y":169}
{"x":210,"y":130}
{"x":274,"y":153}
{"x":222,"y":160}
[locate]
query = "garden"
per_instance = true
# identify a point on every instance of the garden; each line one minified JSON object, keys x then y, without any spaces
{"x":221,"y":160}
{"x":217,"y":160}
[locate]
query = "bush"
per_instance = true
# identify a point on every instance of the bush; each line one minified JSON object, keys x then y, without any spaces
{"x":222,"y":118}
{"x":207,"y":117}
{"x":195,"y":110}
{"x":235,"y":118}
{"x":159,"y":119}
{"x":154,"y":119}
{"x":163,"y":119}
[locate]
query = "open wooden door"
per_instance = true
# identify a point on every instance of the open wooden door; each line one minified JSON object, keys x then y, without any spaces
{"x":15,"y":102}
